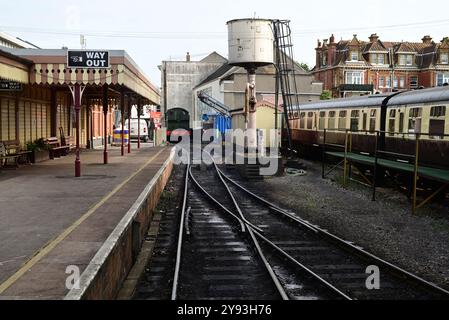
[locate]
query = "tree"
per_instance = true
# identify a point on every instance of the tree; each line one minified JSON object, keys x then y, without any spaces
{"x":326,"y":95}
{"x":305,"y":66}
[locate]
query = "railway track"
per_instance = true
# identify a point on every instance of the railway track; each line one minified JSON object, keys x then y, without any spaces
{"x":234,"y":244}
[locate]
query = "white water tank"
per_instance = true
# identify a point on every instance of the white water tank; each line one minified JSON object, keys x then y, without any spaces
{"x":251,"y":42}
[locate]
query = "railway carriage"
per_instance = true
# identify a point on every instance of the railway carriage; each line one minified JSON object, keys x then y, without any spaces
{"x":404,"y":135}
{"x":400,"y":116}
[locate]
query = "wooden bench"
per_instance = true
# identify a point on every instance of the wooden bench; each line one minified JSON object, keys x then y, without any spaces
{"x":56,"y":149}
{"x":13,"y":147}
{"x":70,"y":142}
{"x":5,"y":156}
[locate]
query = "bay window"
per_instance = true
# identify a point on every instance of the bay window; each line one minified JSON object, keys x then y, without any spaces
{"x":442,"y":78}
{"x":354,"y":77}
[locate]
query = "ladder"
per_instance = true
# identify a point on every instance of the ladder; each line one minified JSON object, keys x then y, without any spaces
{"x":214,"y":104}
{"x":286,"y":73}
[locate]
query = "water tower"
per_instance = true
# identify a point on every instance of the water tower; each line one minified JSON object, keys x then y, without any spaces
{"x":251,"y":45}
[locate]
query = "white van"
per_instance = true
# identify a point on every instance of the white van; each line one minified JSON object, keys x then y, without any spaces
{"x":143,"y":129}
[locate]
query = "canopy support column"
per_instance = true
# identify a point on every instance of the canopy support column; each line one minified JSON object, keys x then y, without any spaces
{"x":105,"y":112}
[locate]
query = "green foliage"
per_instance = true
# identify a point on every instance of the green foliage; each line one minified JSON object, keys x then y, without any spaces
{"x":38,"y":145}
{"x":305,"y":66}
{"x":326,"y":95}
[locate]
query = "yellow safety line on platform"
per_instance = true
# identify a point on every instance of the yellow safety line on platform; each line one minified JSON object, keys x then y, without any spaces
{"x":52,"y":244}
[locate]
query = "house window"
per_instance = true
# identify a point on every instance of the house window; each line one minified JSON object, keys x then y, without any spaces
{"x":388,"y":82}
{"x":442,"y":78}
{"x":355,"y":119}
{"x":342,"y":120}
{"x":402,"y":82}
{"x":437,"y":122}
{"x":372,"y":121}
{"x":377,"y":58}
{"x":444,"y":58}
{"x":382,"y":82}
{"x":414,"y":124}
{"x":331,"y":121}
{"x":414,"y":82}
{"x":354,"y":77}
{"x":324,"y":59}
{"x":354,"y":56}
{"x":406,"y":59}
{"x":395,"y":82}
{"x":322,"y":119}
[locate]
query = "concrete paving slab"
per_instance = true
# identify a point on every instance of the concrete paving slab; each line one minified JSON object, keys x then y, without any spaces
{"x":39,"y":202}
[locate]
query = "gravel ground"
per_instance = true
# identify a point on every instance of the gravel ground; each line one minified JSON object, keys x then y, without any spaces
{"x":418,"y":243}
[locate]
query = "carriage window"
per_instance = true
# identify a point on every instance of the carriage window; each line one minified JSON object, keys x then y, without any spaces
{"x":355,"y":119}
{"x":372,"y":120}
{"x":331,"y":123}
{"x":310,"y":118}
{"x":401,"y":122}
{"x":437,"y":122}
{"x":342,"y":120}
{"x":302,"y":120}
{"x":414,"y":124}
{"x":322,"y":119}
{"x":438,"y":111}
{"x":392,"y":122}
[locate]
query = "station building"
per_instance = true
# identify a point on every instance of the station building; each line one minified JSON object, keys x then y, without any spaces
{"x":35,"y":100}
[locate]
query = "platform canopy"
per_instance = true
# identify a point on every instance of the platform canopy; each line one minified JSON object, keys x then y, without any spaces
{"x":13,"y":68}
{"x":50,"y":68}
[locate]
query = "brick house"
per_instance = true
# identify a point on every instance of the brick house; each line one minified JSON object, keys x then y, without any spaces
{"x":354,"y":67}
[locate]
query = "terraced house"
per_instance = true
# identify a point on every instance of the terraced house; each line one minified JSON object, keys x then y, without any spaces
{"x":354,"y":67}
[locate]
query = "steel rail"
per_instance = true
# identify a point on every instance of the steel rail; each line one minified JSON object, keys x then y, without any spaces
{"x":346,"y":245}
{"x":303,"y":267}
{"x":279,"y":250}
{"x":236,"y":205}
{"x":250,"y":228}
{"x":242,"y":224}
{"x":180,"y":237}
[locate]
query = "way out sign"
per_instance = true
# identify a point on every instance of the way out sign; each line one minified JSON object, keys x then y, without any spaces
{"x":88,"y":59}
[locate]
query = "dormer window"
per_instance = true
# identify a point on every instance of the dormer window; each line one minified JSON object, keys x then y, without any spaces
{"x":406,"y":60}
{"x":377,"y":58}
{"x":354,"y":56}
{"x":444,"y":58}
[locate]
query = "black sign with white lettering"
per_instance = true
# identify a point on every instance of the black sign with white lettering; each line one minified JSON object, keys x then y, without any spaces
{"x":6,"y":85}
{"x":88,"y":59}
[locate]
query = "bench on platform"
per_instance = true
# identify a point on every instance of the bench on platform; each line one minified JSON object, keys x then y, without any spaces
{"x":70,"y":142}
{"x":56,"y":149}
{"x":11,"y":150}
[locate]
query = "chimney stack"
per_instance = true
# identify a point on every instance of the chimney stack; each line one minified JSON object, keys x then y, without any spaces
{"x":427,"y":39}
{"x":332,"y":39}
{"x":188,"y":57}
{"x":373,"y":38}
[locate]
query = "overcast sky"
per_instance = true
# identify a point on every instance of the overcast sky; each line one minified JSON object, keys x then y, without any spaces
{"x":152,"y":31}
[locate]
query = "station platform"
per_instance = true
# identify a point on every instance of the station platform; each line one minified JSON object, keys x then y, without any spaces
{"x":52,"y":222}
{"x":436,"y":174}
